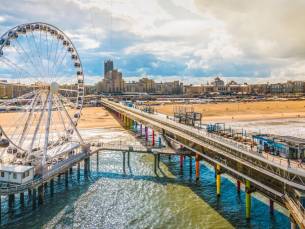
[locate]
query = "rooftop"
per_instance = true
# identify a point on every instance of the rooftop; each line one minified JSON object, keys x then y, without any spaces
{"x":15,"y":168}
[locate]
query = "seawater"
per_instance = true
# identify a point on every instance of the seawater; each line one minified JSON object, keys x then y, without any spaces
{"x":108,"y":198}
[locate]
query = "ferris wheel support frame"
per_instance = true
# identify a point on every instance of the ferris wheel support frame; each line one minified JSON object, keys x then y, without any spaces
{"x":46,"y":140}
{"x":37,"y":126}
{"x":34,"y":102}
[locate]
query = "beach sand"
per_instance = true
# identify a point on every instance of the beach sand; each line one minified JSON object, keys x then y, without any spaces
{"x":98,"y":117}
{"x":242,"y":111}
{"x":92,"y":117}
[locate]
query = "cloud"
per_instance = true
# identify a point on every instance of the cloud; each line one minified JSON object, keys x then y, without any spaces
{"x":193,"y":39}
{"x":273,"y":28}
{"x":272,"y":31}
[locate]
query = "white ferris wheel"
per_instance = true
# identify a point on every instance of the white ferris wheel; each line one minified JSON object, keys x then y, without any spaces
{"x":43,"y":81}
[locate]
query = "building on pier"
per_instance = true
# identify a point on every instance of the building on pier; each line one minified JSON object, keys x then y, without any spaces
{"x":19,"y":174}
{"x":284,"y":146}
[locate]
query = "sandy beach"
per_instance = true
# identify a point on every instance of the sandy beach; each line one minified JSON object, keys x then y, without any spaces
{"x":92,"y":117}
{"x":98,"y":117}
{"x":242,"y":111}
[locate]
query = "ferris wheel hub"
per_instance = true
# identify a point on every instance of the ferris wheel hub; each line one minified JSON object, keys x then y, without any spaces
{"x":54,"y":87}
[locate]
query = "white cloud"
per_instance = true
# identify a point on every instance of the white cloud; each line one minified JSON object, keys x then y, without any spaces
{"x":273,"y":28}
{"x":294,"y":71}
{"x":257,"y":37}
{"x":83,"y":41}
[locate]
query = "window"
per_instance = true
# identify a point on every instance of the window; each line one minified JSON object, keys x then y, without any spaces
{"x":2,"y":174}
{"x":25,"y":174}
{"x":14,"y":176}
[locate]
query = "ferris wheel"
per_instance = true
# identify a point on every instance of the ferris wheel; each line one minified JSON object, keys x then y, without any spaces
{"x":41,"y":94}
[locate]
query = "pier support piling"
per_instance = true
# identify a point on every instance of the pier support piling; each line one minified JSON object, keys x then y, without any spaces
{"x":218,"y":180}
{"x":153,"y":137}
{"x":248,"y":199}
{"x":271,"y":207}
{"x":197,"y":167}
{"x":11,"y":200}
{"x":155,"y":164}
{"x":191,"y":166}
{"x":181,"y":162}
{"x":29,"y":194}
{"x":128,"y":159}
{"x":78,"y":170}
{"x":146,"y":134}
{"x":52,"y":187}
{"x":34,"y":198}
{"x":45,"y":185}
{"x":86,"y":167}
{"x":124,"y":156}
{"x":238,"y":186}
{"x":22,"y":199}
{"x":40,"y":194}
{"x":66,"y":179}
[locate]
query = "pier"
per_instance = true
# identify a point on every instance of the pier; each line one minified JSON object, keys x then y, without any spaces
{"x":258,"y":174}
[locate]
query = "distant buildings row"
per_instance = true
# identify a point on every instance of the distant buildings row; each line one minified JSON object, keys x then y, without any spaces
{"x":113,"y":83}
{"x":11,"y":90}
{"x":218,"y":86}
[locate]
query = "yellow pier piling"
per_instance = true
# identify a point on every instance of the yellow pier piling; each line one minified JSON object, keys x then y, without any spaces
{"x":218,"y":180}
{"x":248,"y":199}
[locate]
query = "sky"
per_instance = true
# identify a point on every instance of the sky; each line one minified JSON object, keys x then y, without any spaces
{"x":189,"y":40}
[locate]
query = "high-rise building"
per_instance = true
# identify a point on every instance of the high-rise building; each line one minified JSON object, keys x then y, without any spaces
{"x":108,"y":66}
{"x":113,"y":82}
